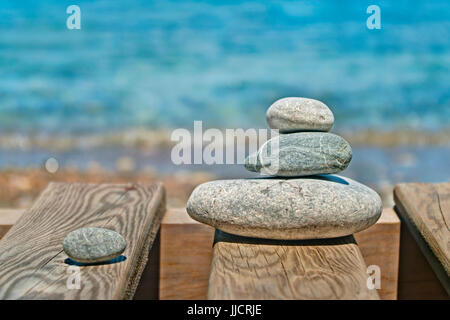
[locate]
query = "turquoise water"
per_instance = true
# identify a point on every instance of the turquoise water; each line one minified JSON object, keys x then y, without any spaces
{"x":167,"y":63}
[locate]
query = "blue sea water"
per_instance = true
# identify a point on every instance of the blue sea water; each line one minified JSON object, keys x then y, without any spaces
{"x":159,"y":64}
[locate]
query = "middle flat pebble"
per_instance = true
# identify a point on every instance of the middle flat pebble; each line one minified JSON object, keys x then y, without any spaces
{"x":301,"y":154}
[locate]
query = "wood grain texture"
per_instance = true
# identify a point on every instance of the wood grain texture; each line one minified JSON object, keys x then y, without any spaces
{"x":245,"y":268}
{"x":8,"y":217}
{"x":425,"y":210}
{"x":186,"y":250}
{"x":31,"y":257}
{"x":380,"y":246}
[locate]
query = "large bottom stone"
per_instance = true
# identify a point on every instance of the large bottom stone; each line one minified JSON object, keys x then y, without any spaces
{"x":307,"y":208}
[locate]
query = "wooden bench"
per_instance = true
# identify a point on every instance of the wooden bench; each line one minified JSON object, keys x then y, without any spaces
{"x":33,"y":263}
{"x":424,"y":209}
{"x":186,"y":252}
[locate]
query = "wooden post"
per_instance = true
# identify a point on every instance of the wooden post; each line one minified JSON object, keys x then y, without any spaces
{"x":186,"y":249}
{"x":33,"y":264}
{"x":248,"y":268}
{"x":380,"y":246}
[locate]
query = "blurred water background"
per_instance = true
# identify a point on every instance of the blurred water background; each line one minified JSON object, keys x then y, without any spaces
{"x":158,"y":65}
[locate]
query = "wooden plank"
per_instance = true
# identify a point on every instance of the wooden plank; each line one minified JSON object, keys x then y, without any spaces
{"x":380,"y":246}
{"x":8,"y":217}
{"x":246,"y":268}
{"x":186,"y":249}
{"x":32,"y":262}
{"x":425,"y":210}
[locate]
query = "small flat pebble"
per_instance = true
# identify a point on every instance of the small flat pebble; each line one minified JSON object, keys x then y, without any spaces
{"x":93,"y":245}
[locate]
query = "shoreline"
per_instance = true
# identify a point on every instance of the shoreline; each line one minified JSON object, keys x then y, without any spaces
{"x":23,"y":174}
{"x":143,"y":138}
{"x":22,"y":187}
{"x":380,"y":160}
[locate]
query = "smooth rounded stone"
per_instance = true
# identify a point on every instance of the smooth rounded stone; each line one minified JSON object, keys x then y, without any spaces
{"x":286,"y":209}
{"x":93,"y":245}
{"x":301,"y":154}
{"x":299,"y":114}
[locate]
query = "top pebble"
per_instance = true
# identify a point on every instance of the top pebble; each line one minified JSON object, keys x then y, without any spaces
{"x":299,"y":114}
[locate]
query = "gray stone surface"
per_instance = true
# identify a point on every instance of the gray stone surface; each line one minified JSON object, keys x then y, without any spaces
{"x":93,"y":245}
{"x":301,"y":154}
{"x":308,"y":208}
{"x":299,"y":114}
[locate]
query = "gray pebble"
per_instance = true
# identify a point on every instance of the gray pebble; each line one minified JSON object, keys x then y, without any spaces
{"x":308,"y":208}
{"x":93,"y":245}
{"x":299,"y":114}
{"x":301,"y":154}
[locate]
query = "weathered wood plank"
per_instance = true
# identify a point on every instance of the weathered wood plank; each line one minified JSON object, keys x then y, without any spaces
{"x":380,"y":246}
{"x":32,"y":262}
{"x":246,"y":268}
{"x":425,"y":210}
{"x":186,"y":249}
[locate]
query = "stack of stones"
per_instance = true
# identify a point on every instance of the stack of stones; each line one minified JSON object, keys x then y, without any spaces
{"x":303,"y":199}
